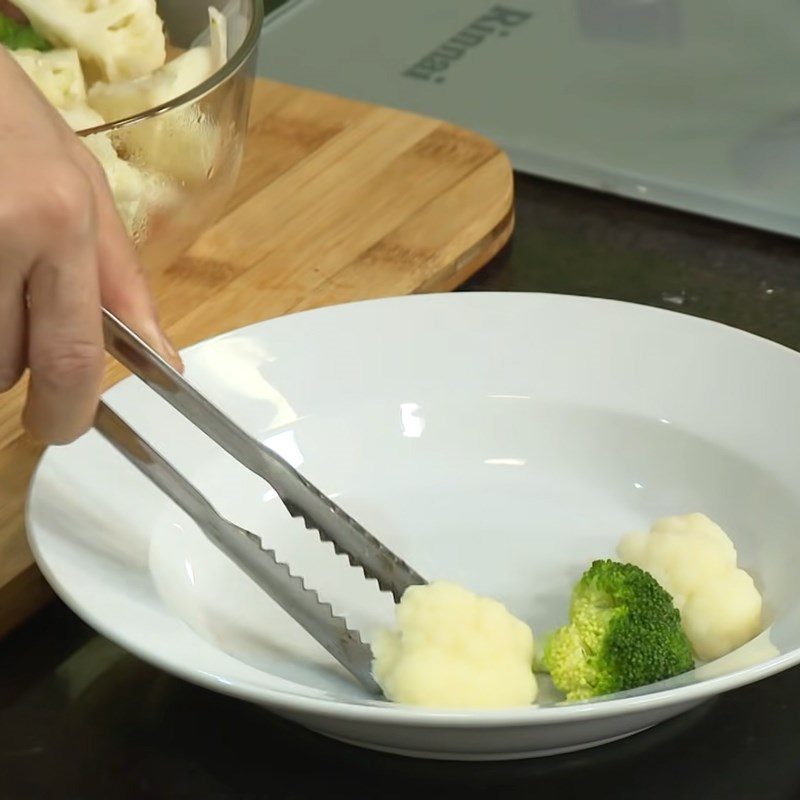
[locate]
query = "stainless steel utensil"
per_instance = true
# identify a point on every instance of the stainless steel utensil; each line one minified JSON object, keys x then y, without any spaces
{"x":299,"y":496}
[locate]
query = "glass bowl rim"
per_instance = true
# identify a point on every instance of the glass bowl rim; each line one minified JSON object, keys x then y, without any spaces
{"x":229,"y":68}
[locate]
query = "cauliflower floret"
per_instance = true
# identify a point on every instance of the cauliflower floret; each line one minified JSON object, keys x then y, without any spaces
{"x":454,"y":649}
{"x":121,"y":99}
{"x":183,"y":142}
{"x":136,"y":193}
{"x":56,"y":73}
{"x":723,"y":614}
{"x":696,"y":562}
{"x":120,"y":39}
{"x":80,"y":117}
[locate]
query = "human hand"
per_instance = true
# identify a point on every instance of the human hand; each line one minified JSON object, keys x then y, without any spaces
{"x":64,"y":253}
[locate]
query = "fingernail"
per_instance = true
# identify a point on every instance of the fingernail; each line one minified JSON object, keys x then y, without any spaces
{"x":169,"y":348}
{"x":158,"y":340}
{"x":173,"y":354}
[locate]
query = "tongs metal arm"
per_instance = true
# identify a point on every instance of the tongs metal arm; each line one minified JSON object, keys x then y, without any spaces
{"x":301,"y":498}
{"x":245,"y":550}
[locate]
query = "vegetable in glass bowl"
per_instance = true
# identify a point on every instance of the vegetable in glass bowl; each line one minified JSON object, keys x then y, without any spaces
{"x":159,"y":92}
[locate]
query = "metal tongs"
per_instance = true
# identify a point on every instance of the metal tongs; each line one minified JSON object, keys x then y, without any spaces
{"x":243,"y":547}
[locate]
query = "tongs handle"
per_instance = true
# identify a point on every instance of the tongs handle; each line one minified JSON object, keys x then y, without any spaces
{"x":144,"y":362}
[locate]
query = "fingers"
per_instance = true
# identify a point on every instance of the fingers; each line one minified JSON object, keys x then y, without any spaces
{"x":16,"y":255}
{"x":64,"y":245}
{"x":65,"y":344}
{"x":12,"y":327}
{"x":123,"y":285}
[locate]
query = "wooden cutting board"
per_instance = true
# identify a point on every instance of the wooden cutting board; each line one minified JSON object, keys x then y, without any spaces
{"x":337,"y":200}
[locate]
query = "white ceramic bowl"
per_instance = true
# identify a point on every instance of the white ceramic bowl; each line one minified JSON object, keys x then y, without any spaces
{"x":499,"y":440}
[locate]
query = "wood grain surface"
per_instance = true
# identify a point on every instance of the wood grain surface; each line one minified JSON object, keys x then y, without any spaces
{"x":337,"y":200}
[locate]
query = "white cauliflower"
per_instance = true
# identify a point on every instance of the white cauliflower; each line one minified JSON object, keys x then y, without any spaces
{"x":696,"y":562}
{"x":183,"y":142}
{"x":136,"y":193}
{"x":119,"y":46}
{"x":121,"y":99}
{"x":454,"y":649}
{"x":116,"y":39}
{"x":57,"y":74}
{"x":80,"y":117}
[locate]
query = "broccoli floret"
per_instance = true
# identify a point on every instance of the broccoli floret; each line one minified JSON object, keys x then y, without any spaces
{"x":624,"y":632}
{"x":19,"y":36}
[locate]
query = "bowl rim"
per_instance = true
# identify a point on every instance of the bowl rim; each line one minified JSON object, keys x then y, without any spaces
{"x":229,"y":68}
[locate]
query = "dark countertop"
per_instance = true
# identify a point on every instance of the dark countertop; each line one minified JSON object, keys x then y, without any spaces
{"x":80,"y":718}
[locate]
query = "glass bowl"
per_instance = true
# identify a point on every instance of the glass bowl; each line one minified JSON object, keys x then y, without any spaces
{"x":196,"y":140}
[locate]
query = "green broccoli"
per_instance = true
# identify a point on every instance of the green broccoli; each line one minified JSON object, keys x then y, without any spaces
{"x":624,"y":632}
{"x":18,"y":36}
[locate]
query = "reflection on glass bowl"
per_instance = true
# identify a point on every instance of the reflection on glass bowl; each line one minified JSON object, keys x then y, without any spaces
{"x":182,"y":158}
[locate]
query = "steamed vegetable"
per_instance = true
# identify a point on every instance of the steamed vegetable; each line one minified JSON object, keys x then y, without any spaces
{"x":56,"y":73}
{"x":454,"y":649}
{"x":117,"y":48}
{"x":624,"y":632}
{"x":136,"y":192}
{"x":696,"y":562}
{"x":120,"y":99}
{"x":116,"y":39}
{"x":18,"y":35}
{"x":182,"y":143}
{"x":123,"y":99}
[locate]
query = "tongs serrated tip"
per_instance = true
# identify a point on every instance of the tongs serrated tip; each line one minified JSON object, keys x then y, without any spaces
{"x":300,"y":497}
